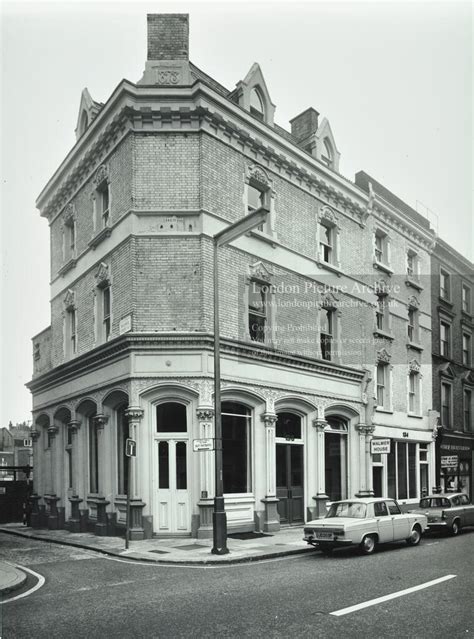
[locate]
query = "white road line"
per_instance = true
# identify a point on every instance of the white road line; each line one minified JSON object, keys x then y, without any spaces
{"x":400,"y":593}
{"x":39,"y":585}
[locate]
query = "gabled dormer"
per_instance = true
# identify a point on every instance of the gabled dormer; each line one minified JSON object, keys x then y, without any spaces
{"x":252,"y":94}
{"x":88,"y":110}
{"x":326,"y":149}
{"x":316,"y":138}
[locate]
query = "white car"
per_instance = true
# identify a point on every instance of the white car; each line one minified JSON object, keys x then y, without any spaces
{"x":364,"y":523}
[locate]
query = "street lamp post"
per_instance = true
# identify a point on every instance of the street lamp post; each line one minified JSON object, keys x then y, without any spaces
{"x":219,"y":519}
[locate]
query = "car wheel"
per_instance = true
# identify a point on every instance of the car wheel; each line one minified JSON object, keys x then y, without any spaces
{"x":368,"y":544}
{"x":455,"y":527}
{"x":415,"y":537}
{"x":326,"y":550}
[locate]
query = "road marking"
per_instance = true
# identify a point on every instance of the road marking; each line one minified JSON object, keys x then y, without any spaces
{"x":400,"y":593}
{"x":40,"y":584}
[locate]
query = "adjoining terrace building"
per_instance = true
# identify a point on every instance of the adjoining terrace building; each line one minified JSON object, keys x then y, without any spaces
{"x":326,"y":325}
{"x":452,"y":286}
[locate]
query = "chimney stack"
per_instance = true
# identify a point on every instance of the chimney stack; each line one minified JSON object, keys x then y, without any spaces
{"x":304,"y":125}
{"x":167,"y":50}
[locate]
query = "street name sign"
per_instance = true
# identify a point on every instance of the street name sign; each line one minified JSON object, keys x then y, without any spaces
{"x":200,"y":445}
{"x":380,"y":446}
{"x":130,"y":448}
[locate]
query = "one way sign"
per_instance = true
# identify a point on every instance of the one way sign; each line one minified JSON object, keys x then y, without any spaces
{"x":130,"y":448}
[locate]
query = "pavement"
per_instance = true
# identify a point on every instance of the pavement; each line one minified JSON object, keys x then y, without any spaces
{"x":175,"y":550}
{"x":11,"y":577}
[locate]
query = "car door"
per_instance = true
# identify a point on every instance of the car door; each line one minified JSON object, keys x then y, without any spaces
{"x":401,"y":523}
{"x":468,"y":511}
{"x":457,"y":509}
{"x":384,"y":522}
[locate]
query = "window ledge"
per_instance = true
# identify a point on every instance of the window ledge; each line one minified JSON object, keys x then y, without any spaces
{"x":383,"y":267}
{"x":415,"y":415}
{"x":415,"y":346}
{"x":410,"y":281}
{"x":379,"y":409}
{"x":466,"y":316}
{"x":70,"y":264}
{"x":385,"y":334}
{"x":445,"y":300}
{"x":270,"y":239}
{"x":329,"y":267}
{"x":100,"y":237}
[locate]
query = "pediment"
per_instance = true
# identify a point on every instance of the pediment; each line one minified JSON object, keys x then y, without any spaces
{"x":255,"y":80}
{"x":414,"y":366}
{"x":383,"y":356}
{"x":329,"y":300}
{"x":446,"y":370}
{"x":259,"y":271}
{"x":69,"y":300}
{"x":326,"y":213}
{"x":468,"y":377}
{"x":257,"y":173}
{"x":413,"y":301}
{"x":102,"y":276}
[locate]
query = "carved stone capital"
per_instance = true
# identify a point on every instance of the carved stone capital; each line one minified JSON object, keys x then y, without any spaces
{"x":100,"y":420}
{"x":365,"y":429}
{"x":269,"y":419}
{"x":319,"y":424}
{"x":52,"y":431}
{"x":134,"y":413}
{"x":205,"y":413}
{"x":34,"y":434}
{"x":74,"y":425}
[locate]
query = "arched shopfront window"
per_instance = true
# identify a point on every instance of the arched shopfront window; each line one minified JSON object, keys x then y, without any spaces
{"x":288,"y":426}
{"x":236,"y":447}
{"x":123,"y":433}
{"x":335,"y":453}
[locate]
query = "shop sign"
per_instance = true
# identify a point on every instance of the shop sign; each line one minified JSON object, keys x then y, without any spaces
{"x":380,"y":446}
{"x":448,"y":461}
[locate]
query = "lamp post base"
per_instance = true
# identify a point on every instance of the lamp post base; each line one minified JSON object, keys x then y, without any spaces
{"x":219,"y":528}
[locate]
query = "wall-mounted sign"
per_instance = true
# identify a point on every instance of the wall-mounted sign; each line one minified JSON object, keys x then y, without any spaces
{"x":125,"y":324}
{"x":203,"y":444}
{"x":380,"y":446}
{"x":449,"y":461}
{"x":130,"y":448}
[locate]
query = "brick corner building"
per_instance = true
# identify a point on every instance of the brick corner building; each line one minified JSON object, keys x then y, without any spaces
{"x":325,"y":314}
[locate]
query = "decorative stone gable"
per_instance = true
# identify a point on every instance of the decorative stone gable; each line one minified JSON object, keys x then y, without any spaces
{"x":259,"y":271}
{"x":383,"y":356}
{"x":102,"y":276}
{"x":69,"y":300}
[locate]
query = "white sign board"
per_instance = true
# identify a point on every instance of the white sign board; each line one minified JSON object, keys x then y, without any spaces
{"x":380,"y":446}
{"x":203,"y":444}
{"x":449,"y":460}
{"x":125,"y":324}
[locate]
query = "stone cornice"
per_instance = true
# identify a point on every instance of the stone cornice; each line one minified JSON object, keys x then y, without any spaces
{"x":125,"y":344}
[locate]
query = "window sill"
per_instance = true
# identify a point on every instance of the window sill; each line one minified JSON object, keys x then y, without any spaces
{"x":100,"y":237}
{"x":70,"y":264}
{"x":409,"y":281}
{"x":415,"y":346}
{"x":379,"y":409}
{"x":383,"y":267}
{"x":384,"y":334}
{"x":329,"y":267}
{"x":270,"y":239}
{"x":445,"y":300}
{"x":415,"y":415}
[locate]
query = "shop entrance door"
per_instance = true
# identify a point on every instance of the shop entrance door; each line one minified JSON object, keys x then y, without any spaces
{"x":172,"y":511}
{"x":377,"y":478}
{"x":289,"y":480}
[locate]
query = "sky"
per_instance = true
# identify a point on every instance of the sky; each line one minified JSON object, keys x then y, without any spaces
{"x":393,"y":78}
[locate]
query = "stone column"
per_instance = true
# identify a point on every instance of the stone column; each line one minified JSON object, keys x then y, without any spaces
{"x":365,"y":461}
{"x":35,"y":513}
{"x":52,"y":432}
{"x":100,"y":420}
{"x":272,"y":518}
{"x":74,"y":522}
{"x":134,"y":414}
{"x":320,"y":498}
{"x":205,"y":416}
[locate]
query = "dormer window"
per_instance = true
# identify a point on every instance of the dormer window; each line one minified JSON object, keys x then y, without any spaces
{"x":256,"y":105}
{"x":328,"y":155}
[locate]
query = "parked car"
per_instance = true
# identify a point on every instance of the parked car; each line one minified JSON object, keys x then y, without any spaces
{"x":447,"y":511}
{"x":364,"y":523}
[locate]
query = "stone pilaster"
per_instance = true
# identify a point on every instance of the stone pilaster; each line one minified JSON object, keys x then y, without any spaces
{"x":365,"y":460}
{"x":134,"y":414}
{"x":272,"y":518}
{"x":205,"y":416}
{"x":100,"y":421}
{"x":320,"y":498}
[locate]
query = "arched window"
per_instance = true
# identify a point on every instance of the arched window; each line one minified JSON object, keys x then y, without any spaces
{"x":327,"y":156}
{"x":335,"y":453}
{"x":288,"y":426}
{"x":123,"y":434}
{"x":171,"y":418}
{"x":256,"y":105}
{"x":236,"y":447}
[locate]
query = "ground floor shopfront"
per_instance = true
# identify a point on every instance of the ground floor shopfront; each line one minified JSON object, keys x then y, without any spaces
{"x":294,"y":438}
{"x":455,"y":452}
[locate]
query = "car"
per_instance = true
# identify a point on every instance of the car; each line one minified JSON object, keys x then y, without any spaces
{"x":447,"y":511}
{"x":364,"y":523}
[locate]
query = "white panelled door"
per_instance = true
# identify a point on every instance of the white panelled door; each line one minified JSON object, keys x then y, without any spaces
{"x":172,"y":509}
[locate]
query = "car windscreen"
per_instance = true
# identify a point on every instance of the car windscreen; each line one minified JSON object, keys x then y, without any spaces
{"x":351,"y":509}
